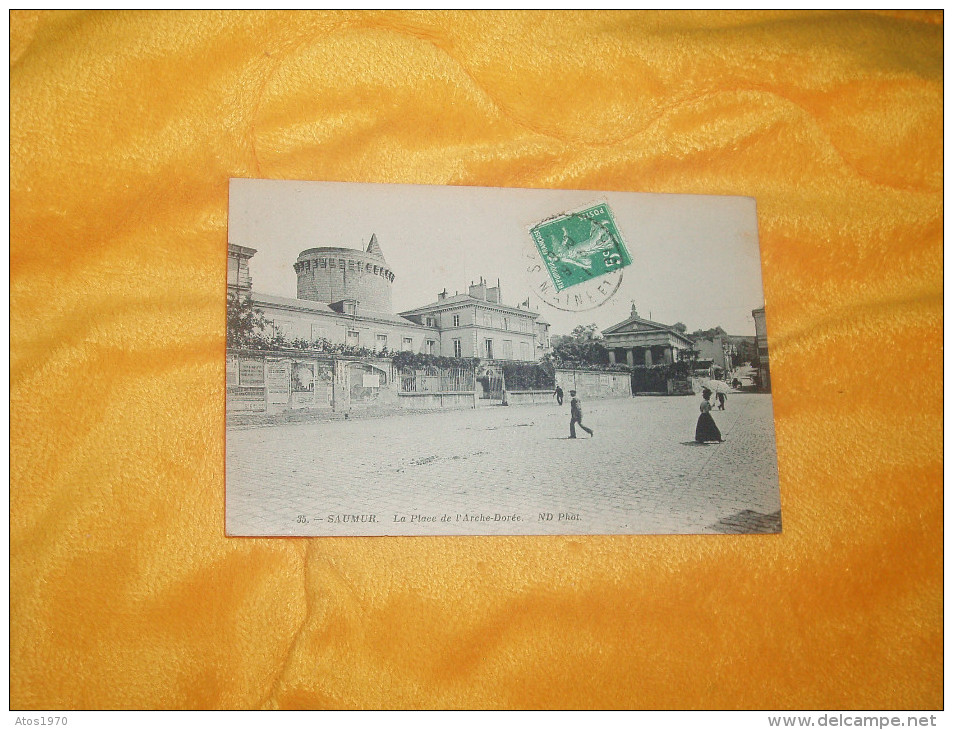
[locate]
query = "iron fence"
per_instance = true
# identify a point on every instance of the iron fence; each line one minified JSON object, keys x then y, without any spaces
{"x":435,"y":380}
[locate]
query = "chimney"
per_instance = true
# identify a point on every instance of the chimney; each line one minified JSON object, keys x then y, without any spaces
{"x":478,"y":291}
{"x":494,"y":294}
{"x":442,"y":295}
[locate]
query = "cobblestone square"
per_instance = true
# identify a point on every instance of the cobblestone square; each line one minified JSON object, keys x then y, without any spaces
{"x":509,"y":471}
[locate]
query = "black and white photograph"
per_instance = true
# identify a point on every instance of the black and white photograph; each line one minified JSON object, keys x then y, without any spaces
{"x":430,"y":360}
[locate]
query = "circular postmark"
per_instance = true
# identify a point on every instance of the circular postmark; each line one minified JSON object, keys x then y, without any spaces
{"x":575,"y":260}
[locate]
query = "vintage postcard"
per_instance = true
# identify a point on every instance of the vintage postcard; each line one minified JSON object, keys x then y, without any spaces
{"x":426,"y":360}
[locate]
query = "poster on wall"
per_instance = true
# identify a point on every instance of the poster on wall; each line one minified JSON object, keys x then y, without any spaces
{"x":491,"y":361}
{"x":278,"y":382}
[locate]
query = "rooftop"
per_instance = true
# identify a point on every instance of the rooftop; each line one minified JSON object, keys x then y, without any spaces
{"x":467,"y":299}
{"x":373,"y":248}
{"x":324,"y":308}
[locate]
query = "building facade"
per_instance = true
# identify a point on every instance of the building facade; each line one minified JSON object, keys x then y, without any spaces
{"x":478,"y":324}
{"x":715,"y":353}
{"x":761,"y":332}
{"x":638,"y":341}
{"x":344,"y":297}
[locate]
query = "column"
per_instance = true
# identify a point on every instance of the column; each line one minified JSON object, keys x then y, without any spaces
{"x":630,"y":355}
{"x":648,"y":357}
{"x":668,"y":355}
{"x":612,"y":356}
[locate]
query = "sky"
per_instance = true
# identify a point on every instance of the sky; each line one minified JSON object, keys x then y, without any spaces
{"x":695,"y":259}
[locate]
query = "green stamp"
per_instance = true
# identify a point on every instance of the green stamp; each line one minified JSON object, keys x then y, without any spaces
{"x":581,"y":246}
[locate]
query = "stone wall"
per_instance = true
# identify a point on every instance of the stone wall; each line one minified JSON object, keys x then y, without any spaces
{"x":297,"y":383}
{"x":436,"y":401}
{"x":523,"y":397}
{"x":594,"y":383}
{"x":293,"y":383}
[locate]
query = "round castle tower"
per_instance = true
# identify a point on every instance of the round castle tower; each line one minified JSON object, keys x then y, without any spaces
{"x":332,"y":274}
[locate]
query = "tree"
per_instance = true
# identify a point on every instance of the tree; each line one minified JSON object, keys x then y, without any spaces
{"x":586,"y":332}
{"x":245,"y":325}
{"x":584,"y":345}
{"x":709,"y":334}
{"x":680,"y":327}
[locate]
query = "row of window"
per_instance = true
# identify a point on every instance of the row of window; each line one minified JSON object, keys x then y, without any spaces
{"x":349,"y":264}
{"x":490,"y":353}
{"x":381,"y":341}
{"x":522,"y":325}
{"x":353,"y":337}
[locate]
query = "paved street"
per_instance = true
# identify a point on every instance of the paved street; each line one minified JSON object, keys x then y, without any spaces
{"x":505,"y":470}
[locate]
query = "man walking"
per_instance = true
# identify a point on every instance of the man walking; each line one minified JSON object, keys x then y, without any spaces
{"x":576,"y":407}
{"x":559,"y":395}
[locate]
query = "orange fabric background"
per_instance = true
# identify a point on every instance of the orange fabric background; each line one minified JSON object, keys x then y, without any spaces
{"x":125,"y":129}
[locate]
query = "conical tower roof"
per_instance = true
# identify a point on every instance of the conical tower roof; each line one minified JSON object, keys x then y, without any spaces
{"x":374,"y":247}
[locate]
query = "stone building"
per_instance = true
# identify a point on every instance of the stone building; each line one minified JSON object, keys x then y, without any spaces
{"x":345,"y":278}
{"x":638,"y":341}
{"x":344,"y":296}
{"x":238,"y":276}
{"x":761,"y":330}
{"x":478,"y":324}
{"x":715,"y":353}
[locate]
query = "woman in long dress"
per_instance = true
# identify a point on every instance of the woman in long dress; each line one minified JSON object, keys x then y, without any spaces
{"x":706,"y":430}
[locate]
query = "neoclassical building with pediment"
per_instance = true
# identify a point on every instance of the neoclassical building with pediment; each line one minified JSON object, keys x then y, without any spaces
{"x":638,"y":341}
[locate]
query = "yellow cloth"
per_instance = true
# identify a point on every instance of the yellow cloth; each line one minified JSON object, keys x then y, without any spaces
{"x":125,"y":127}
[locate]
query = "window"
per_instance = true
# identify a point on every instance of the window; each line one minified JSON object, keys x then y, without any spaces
{"x":323,"y":263}
{"x":407,"y":345}
{"x":488,"y":349}
{"x":506,"y":323}
{"x":353,"y":338}
{"x":456,"y":322}
{"x":341,"y":263}
{"x":457,"y":348}
{"x":431,"y":322}
{"x":331,"y":263}
{"x":507,"y":349}
{"x":431,"y":347}
{"x":381,"y":342}
{"x":525,"y":348}
{"x":487,"y":319}
{"x":350,"y":307}
{"x":283,"y":327}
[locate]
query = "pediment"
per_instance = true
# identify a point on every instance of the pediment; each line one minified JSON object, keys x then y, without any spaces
{"x":643,"y":327}
{"x":636,"y":325}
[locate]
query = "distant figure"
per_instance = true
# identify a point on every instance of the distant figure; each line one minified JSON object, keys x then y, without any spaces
{"x":706,"y":430}
{"x":559,"y":395}
{"x":576,"y":407}
{"x":706,"y":392}
{"x":721,"y":400}
{"x":736,"y":384}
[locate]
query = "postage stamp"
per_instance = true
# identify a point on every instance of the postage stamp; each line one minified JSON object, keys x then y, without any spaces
{"x":580,"y":246}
